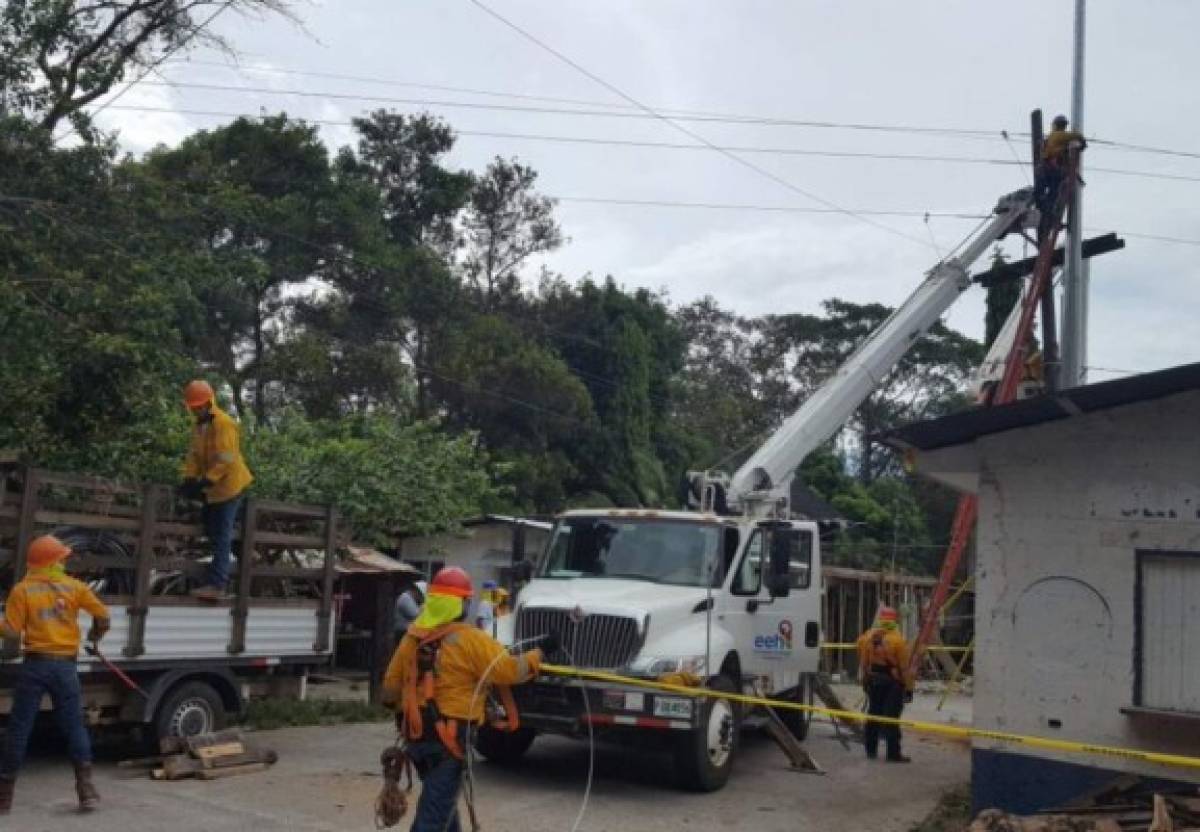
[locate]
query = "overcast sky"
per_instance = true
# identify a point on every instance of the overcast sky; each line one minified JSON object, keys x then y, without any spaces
{"x":919,"y":63}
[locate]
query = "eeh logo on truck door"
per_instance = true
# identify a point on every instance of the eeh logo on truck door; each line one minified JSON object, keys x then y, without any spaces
{"x":775,"y":644}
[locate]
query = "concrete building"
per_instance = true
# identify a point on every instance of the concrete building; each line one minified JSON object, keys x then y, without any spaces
{"x":1088,"y":578}
{"x":484,"y":547}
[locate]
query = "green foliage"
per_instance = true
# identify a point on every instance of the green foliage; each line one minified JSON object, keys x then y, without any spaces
{"x":270,"y":714}
{"x":386,"y":478}
{"x":367,"y":315}
{"x":57,"y":57}
{"x":1001,"y":298}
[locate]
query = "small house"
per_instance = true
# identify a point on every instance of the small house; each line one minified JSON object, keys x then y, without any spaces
{"x":1087,"y":613}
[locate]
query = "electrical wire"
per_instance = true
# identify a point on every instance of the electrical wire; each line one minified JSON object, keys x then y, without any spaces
{"x":964,"y":133}
{"x":734,"y":149}
{"x":779,"y":180}
{"x":587,"y":707}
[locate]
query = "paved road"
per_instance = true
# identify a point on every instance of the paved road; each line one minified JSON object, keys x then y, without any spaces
{"x":327,"y":780}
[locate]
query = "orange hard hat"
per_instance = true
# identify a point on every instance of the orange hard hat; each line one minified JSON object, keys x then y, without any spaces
{"x":451,"y":581}
{"x":888,"y":614}
{"x":197,"y":393}
{"x":46,"y":550}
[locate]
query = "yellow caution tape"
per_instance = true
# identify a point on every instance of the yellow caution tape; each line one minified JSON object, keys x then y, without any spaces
{"x":933,"y":648}
{"x":926,"y":727}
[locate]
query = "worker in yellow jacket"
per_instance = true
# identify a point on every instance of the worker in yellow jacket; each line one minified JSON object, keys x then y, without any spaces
{"x":1052,"y":166}
{"x":42,"y":611}
{"x":883,"y":656}
{"x":214,"y":472}
{"x":438,"y":682}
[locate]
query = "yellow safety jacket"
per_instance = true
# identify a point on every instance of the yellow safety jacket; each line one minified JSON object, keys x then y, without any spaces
{"x":463,"y":656}
{"x":884,"y":648}
{"x":215,"y":454}
{"x":43,"y":610}
{"x":1054,"y":148}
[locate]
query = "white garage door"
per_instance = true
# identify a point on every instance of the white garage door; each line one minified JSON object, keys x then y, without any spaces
{"x":1170,"y":631}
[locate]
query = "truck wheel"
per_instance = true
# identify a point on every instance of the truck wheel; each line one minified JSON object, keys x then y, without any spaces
{"x":704,"y":757}
{"x":188,"y":710}
{"x":503,"y":747}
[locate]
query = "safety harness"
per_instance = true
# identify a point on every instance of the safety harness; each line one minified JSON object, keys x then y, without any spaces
{"x":881,"y":659}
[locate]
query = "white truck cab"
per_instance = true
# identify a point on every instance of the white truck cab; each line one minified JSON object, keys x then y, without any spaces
{"x":648,"y":594}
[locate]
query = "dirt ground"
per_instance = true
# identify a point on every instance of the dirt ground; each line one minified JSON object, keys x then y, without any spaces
{"x":327,"y":779}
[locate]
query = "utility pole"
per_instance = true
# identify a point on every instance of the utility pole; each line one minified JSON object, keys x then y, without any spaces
{"x":1075,"y":276}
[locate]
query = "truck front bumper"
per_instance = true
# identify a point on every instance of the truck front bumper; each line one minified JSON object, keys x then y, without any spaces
{"x":566,"y":706}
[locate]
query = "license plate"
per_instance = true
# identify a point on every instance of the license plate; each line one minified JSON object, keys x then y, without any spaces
{"x":673,"y":707}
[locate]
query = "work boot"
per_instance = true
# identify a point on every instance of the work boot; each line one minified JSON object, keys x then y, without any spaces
{"x":7,"y":786}
{"x":89,"y":798}
{"x":208,"y":593}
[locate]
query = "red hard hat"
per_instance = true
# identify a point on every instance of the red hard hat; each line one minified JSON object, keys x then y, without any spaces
{"x":197,"y":393}
{"x":451,"y":581}
{"x":887,"y":614}
{"x":46,"y":550}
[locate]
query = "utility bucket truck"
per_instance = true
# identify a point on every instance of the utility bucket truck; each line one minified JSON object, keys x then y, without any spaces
{"x":727,"y":594}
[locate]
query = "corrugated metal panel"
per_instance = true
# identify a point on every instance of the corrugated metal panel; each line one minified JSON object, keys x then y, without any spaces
{"x":203,"y":632}
{"x":281,"y":631}
{"x":1170,"y":621}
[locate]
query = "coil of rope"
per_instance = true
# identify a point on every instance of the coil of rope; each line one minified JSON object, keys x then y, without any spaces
{"x":392,"y":803}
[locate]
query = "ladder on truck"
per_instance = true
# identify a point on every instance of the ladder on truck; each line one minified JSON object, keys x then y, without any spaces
{"x":1005,"y":392}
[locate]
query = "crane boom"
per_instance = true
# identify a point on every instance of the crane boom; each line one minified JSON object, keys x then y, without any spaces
{"x":770,"y":469}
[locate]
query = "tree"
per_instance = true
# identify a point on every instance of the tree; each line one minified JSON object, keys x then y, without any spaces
{"x":256,"y":197}
{"x":719,"y":403}
{"x":795,"y":354}
{"x":385,"y":478}
{"x":505,"y":224}
{"x":402,"y":158}
{"x":59,"y":56}
{"x":1001,"y":298}
{"x":91,"y":315}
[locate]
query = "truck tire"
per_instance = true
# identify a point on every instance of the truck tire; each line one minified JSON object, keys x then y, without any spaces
{"x":189,"y":709}
{"x":704,"y":756}
{"x":504,"y":747}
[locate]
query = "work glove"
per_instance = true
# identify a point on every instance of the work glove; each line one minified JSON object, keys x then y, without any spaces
{"x":192,"y":489}
{"x":908,"y":697}
{"x":98,"y":630}
{"x":549,"y":643}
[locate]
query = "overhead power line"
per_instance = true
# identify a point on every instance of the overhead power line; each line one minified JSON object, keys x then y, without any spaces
{"x":959,"y":132}
{"x":778,"y":151}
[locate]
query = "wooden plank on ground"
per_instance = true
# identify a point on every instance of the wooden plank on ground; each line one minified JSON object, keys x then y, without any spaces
{"x":209,"y":754}
{"x":231,"y":771}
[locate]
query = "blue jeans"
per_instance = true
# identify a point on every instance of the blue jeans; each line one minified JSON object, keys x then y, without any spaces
{"x":441,"y":778}
{"x":38,"y":677}
{"x":219,"y":520}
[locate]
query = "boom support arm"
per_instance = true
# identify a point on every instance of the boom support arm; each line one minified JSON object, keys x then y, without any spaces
{"x":769,"y":471}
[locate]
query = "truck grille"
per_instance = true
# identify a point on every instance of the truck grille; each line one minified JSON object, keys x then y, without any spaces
{"x":597,"y":641}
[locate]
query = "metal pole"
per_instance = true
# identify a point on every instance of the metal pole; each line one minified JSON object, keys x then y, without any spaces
{"x":1075,"y":280}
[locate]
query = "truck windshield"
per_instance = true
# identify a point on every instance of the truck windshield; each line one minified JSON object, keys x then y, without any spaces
{"x":661,"y":551}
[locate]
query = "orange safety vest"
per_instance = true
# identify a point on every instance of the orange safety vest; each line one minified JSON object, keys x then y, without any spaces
{"x":422,"y":720}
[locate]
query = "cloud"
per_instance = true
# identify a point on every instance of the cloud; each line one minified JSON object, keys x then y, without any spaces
{"x":141,"y":130}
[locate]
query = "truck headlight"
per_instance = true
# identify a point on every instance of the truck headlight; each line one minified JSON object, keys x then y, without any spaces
{"x":654,"y":666}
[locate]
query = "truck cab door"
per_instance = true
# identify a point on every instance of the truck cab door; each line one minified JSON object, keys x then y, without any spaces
{"x":773,"y":606}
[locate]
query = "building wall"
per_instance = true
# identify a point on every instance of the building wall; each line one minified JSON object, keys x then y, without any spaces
{"x":1064,"y":508}
{"x":483,"y":549}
